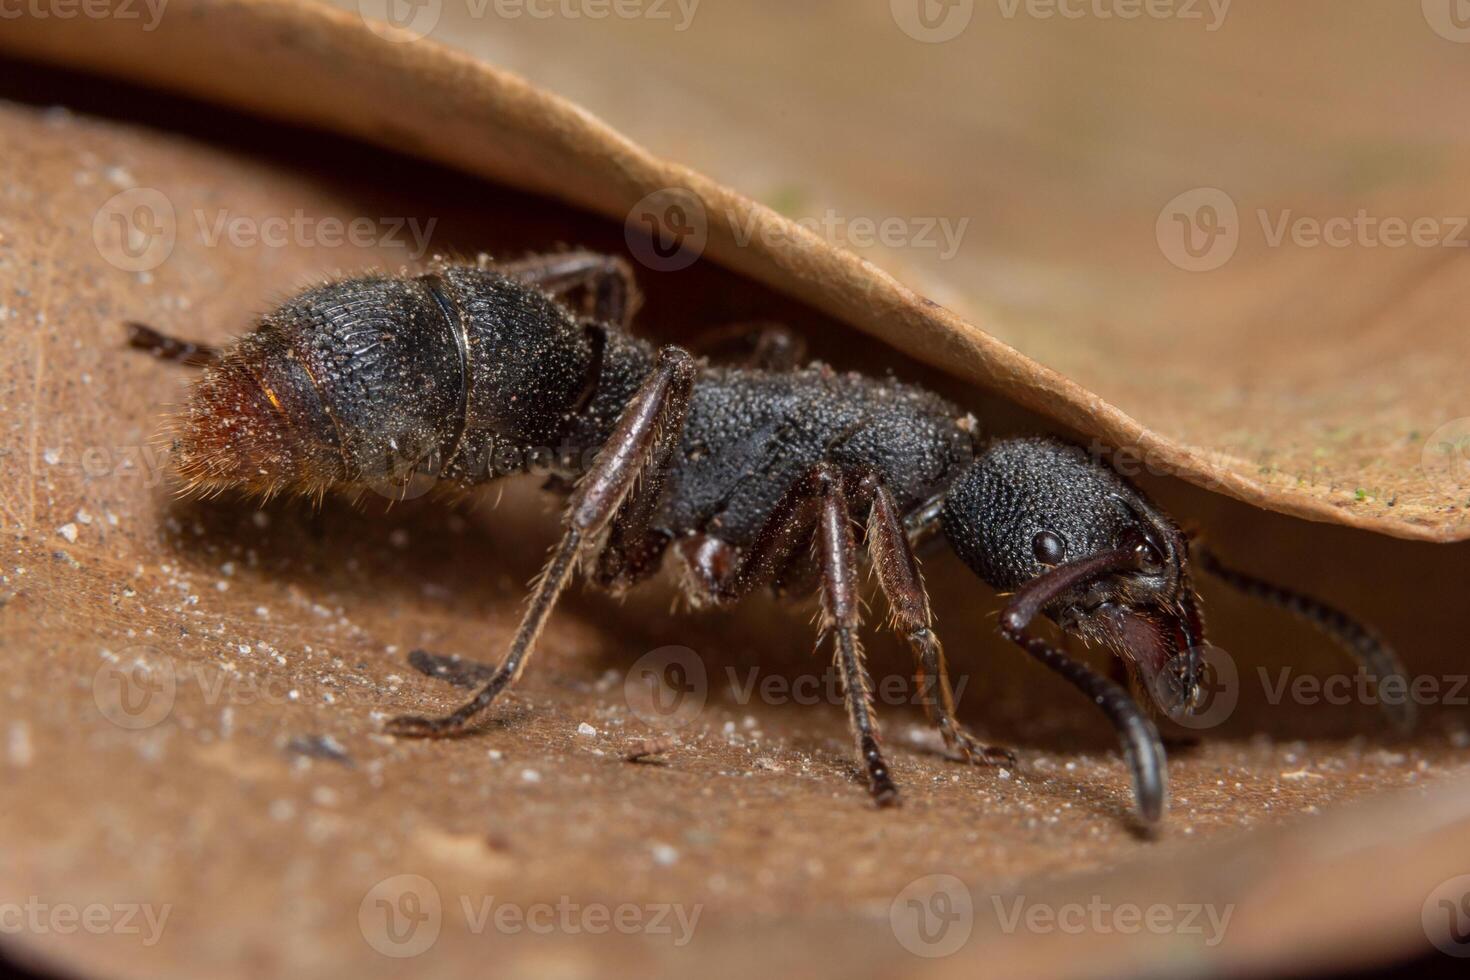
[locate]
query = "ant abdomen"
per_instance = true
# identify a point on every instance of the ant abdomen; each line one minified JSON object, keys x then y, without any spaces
{"x":370,"y":380}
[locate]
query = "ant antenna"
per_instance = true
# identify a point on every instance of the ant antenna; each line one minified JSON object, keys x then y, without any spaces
{"x":1369,"y":649}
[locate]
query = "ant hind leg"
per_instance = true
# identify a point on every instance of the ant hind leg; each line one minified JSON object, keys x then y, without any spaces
{"x":656,"y":412}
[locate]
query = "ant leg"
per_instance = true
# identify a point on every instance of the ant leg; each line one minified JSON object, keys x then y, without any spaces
{"x":632,"y":549}
{"x":908,"y":603}
{"x":166,"y":348}
{"x":840,"y":618}
{"x":1365,"y":646}
{"x":763,"y":345}
{"x":612,"y":292}
{"x":1142,"y":749}
{"x":658,"y":408}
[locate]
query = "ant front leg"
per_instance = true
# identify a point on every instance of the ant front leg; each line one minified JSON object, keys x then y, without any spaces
{"x":658,"y":408}
{"x":1142,"y":748}
{"x":908,"y":601}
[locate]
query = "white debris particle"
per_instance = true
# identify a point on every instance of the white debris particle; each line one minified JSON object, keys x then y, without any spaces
{"x":260,"y":519}
{"x":19,"y":746}
{"x":496,"y":755}
{"x":1298,"y":774}
{"x":262,"y":612}
{"x":282,"y":810}
{"x":586,"y":729}
{"x":68,"y":531}
{"x":83,"y":517}
{"x":1005,"y":774}
{"x":664,"y":854}
{"x":530,"y":776}
{"x":51,"y":456}
{"x":398,"y":538}
{"x":222,"y":586}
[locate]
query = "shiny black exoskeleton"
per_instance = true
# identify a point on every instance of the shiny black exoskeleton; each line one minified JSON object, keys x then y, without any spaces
{"x":753,"y":475}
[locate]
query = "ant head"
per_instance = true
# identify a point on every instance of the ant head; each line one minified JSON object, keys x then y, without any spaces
{"x":1112,"y":567}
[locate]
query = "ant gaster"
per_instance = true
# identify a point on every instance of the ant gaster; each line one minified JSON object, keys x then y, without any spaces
{"x":759,"y":474}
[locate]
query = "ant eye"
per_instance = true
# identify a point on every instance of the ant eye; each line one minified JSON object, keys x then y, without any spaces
{"x":1049,"y":548}
{"x":1149,"y":558}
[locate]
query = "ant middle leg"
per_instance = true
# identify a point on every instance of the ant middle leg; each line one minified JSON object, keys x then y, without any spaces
{"x":656,"y":412}
{"x":841,"y":619}
{"x":908,"y":603}
{"x":814,"y":509}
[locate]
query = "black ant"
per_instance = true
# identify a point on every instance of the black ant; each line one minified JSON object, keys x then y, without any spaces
{"x":756,"y":474}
